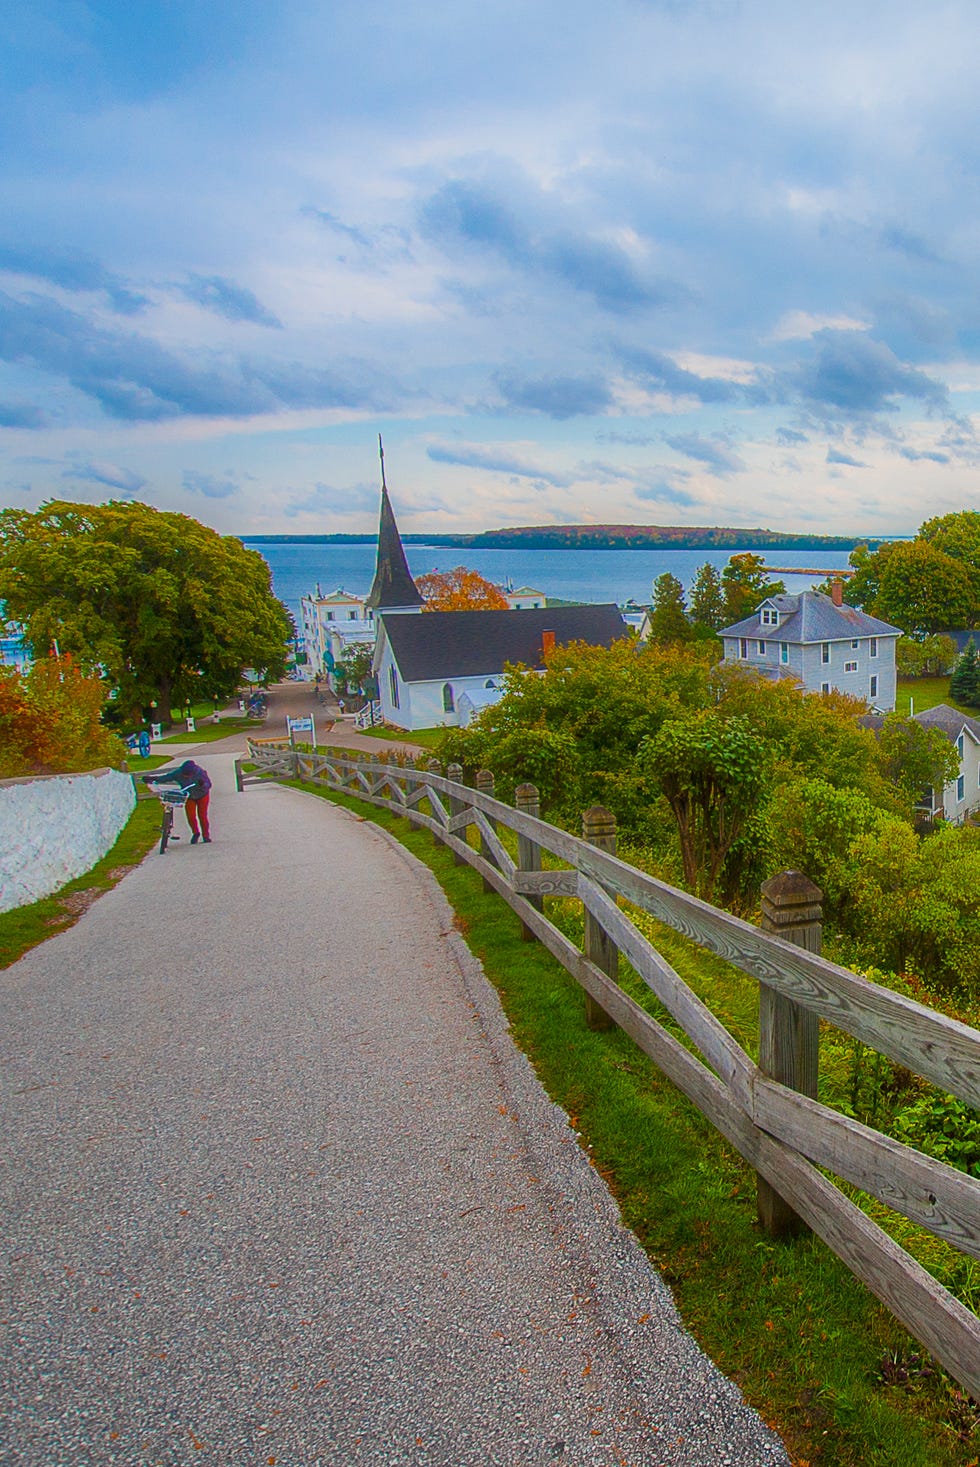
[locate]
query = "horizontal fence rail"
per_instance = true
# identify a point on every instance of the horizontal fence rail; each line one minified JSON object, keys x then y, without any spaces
{"x":784,"y":1133}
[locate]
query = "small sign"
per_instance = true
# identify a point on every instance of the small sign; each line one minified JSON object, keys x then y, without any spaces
{"x":191,"y":726}
{"x":156,"y":730}
{"x":302,"y":726}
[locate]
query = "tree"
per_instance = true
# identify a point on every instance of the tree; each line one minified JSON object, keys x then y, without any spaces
{"x":714,"y":775}
{"x":964,"y":685}
{"x":354,"y":667}
{"x":460,"y":590}
{"x":51,"y":721}
{"x":922,"y":589}
{"x":956,"y":534}
{"x":913,"y":758}
{"x":746,"y":584}
{"x":162,"y":607}
{"x":708,"y":598}
{"x":668,"y":617}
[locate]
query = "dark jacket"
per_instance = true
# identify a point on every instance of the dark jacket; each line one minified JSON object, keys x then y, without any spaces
{"x":189,"y":776}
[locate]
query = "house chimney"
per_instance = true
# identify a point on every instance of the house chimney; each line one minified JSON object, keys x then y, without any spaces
{"x":547,"y":644}
{"x":837,"y":591}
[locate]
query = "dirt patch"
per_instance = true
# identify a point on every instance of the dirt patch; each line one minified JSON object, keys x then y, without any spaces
{"x":77,"y":902}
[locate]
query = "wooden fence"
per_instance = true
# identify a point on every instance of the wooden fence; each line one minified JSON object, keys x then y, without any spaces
{"x":769,"y":1110}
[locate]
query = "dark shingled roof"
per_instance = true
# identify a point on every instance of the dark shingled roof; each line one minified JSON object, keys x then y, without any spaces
{"x":393,"y":584}
{"x":811,"y":617}
{"x":950,"y":721}
{"x":445,"y":644}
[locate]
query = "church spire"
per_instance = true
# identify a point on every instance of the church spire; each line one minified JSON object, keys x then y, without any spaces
{"x":393,"y":588}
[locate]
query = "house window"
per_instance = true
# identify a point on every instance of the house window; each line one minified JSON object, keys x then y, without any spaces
{"x":960,"y":787}
{"x":352,"y":616}
{"x":784,"y":653}
{"x":825,"y":652}
{"x":448,"y":701}
{"x":874,"y":646}
{"x":850,"y":667}
{"x":393,"y":684}
{"x":874,"y":686}
{"x":329,"y":616}
{"x":959,"y":746}
{"x":825,"y":687}
{"x":770,"y":616}
{"x":855,"y":644}
{"x":490,"y":683}
{"x":743,"y":647}
{"x":762,"y":649}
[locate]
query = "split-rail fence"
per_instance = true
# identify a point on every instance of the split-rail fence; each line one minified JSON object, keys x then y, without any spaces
{"x":767,"y":1110}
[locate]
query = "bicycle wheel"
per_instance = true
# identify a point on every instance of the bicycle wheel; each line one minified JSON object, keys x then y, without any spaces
{"x":166,"y":827}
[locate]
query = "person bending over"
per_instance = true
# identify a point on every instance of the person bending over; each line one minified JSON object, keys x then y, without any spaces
{"x":195,"y":780}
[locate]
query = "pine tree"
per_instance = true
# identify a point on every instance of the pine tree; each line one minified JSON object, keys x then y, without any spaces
{"x":668,"y":616}
{"x":964,"y":685}
{"x":708,"y":598}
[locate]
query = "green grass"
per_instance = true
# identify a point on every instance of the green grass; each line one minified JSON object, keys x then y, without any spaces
{"x":425,"y":738}
{"x":926,"y":692}
{"x":24,"y":927}
{"x":207,"y":733}
{"x":809,"y":1346}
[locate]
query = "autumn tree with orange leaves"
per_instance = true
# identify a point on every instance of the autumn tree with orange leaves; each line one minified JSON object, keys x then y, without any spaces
{"x":459,"y":590}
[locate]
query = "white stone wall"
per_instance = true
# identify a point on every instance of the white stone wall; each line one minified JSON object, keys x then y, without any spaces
{"x":52,"y":830}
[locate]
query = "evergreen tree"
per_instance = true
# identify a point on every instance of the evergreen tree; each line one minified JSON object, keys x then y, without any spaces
{"x":964,"y":686}
{"x":668,"y":616}
{"x":708,"y":598}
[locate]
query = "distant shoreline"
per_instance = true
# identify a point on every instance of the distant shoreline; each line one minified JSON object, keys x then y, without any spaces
{"x":599,"y":537}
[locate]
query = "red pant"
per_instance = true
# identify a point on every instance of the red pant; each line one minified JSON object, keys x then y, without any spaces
{"x":197,"y":808}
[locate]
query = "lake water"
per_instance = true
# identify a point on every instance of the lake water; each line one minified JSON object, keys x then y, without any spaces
{"x":570,"y":575}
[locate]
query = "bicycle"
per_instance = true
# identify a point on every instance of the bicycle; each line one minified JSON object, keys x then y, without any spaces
{"x":171,"y":799}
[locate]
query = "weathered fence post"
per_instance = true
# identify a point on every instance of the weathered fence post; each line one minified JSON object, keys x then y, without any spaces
{"x":599,"y":829}
{"x":484,"y":783}
{"x":528,"y":851}
{"x":434,"y":767}
{"x":788,"y":1033}
{"x":239,"y":785}
{"x":455,"y":773}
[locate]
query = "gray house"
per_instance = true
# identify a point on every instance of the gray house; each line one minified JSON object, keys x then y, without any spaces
{"x":960,"y":798}
{"x":821,"y":643}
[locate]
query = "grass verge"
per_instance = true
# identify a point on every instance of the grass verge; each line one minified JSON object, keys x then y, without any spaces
{"x":207,"y":733}
{"x":821,"y":1360}
{"x":25,"y":927}
{"x":926,"y":692}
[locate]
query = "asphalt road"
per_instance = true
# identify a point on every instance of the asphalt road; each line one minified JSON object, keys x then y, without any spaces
{"x":278,"y":1188}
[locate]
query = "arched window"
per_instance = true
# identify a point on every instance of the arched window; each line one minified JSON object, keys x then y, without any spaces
{"x":448,"y":701}
{"x":490,"y":683}
{"x":393,"y":684}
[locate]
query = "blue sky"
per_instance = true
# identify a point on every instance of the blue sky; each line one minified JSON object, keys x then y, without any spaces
{"x":656,"y":261}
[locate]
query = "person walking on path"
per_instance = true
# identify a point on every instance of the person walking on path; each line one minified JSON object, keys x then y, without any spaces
{"x":197,"y":782}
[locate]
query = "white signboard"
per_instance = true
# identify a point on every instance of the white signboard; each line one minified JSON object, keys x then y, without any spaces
{"x":301,"y":726}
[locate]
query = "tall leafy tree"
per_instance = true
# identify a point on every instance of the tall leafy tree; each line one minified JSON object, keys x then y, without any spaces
{"x":708,"y":598}
{"x":668,"y":616}
{"x":715,"y":776}
{"x":460,"y":590}
{"x":163,"y":607}
{"x":746,"y":585}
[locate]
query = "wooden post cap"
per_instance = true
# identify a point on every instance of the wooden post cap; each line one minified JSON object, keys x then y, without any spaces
{"x":484,"y":780}
{"x":598,"y":823}
{"x":791,"y":889}
{"x":525,"y":795}
{"x":455,"y":772}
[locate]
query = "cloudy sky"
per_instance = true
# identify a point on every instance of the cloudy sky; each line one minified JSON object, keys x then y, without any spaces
{"x":655,"y":261}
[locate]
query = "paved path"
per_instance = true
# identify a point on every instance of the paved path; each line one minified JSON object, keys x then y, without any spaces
{"x":278,"y":1189}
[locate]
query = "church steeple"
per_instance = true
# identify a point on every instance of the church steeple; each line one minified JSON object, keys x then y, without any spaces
{"x":393,"y":588}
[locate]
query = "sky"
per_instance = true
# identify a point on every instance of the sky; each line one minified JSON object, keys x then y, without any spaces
{"x":681,"y":262}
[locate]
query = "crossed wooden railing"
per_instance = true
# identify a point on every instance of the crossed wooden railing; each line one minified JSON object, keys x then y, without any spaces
{"x":768,"y":1111}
